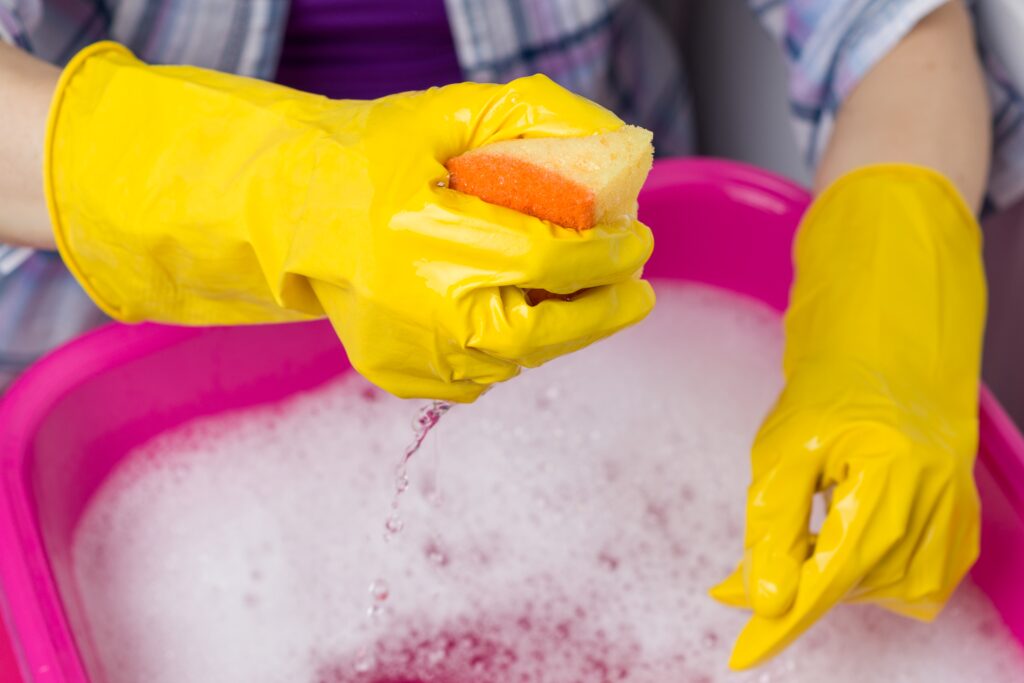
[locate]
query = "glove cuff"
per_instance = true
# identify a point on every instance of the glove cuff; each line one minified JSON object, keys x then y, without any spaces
{"x":889,"y":276}
{"x":54,"y":119}
{"x":174,"y":192}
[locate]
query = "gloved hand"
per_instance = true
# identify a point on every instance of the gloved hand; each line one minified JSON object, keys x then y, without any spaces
{"x":882,"y":358}
{"x":189,"y":196}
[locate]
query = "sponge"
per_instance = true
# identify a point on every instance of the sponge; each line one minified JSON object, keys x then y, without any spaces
{"x":573,"y":182}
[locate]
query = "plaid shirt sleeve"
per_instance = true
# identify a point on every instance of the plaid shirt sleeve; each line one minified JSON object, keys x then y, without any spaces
{"x":41,"y":305}
{"x":829,"y":45}
{"x":12,"y":26}
{"x":13,"y":31}
{"x":1006,"y":179}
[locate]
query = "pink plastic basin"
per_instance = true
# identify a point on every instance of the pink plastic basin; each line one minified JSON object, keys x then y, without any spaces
{"x":76,"y":413}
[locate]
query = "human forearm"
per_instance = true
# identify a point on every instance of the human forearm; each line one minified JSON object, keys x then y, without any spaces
{"x":26,"y":86}
{"x":925,"y":103}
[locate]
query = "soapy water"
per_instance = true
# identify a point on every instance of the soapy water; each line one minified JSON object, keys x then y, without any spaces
{"x":566,"y":529}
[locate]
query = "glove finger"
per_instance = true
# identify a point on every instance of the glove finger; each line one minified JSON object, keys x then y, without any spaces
{"x":510,"y":329}
{"x":462,"y":243}
{"x":464,"y":116}
{"x":461,"y":376}
{"x":778,"y":536}
{"x":732,"y":592}
{"x":891,"y":573}
{"x":536,"y":106}
{"x":423,"y":387}
{"x":566,"y":261}
{"x":862,"y":526}
{"x":391,"y":352}
{"x":944,"y":549}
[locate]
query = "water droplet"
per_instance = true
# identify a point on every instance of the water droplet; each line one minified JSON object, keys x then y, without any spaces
{"x":379,"y":590}
{"x":394,"y":524}
{"x":401,"y":480}
{"x":709,"y":640}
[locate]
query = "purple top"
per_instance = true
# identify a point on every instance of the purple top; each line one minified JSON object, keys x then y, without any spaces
{"x":363,"y":49}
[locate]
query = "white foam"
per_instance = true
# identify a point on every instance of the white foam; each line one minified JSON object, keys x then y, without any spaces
{"x":565,"y":527}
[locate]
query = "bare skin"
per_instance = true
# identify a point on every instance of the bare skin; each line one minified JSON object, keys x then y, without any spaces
{"x":925,"y":103}
{"x":28,"y":84}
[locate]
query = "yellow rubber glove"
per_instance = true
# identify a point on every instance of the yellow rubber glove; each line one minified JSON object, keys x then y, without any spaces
{"x":883,"y":348}
{"x":189,"y":196}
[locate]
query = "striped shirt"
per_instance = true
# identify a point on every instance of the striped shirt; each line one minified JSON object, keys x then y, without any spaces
{"x":616,"y":52}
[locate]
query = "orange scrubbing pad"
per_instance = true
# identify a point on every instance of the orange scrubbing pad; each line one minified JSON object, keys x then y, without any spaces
{"x":524,"y":186}
{"x":573,"y":182}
